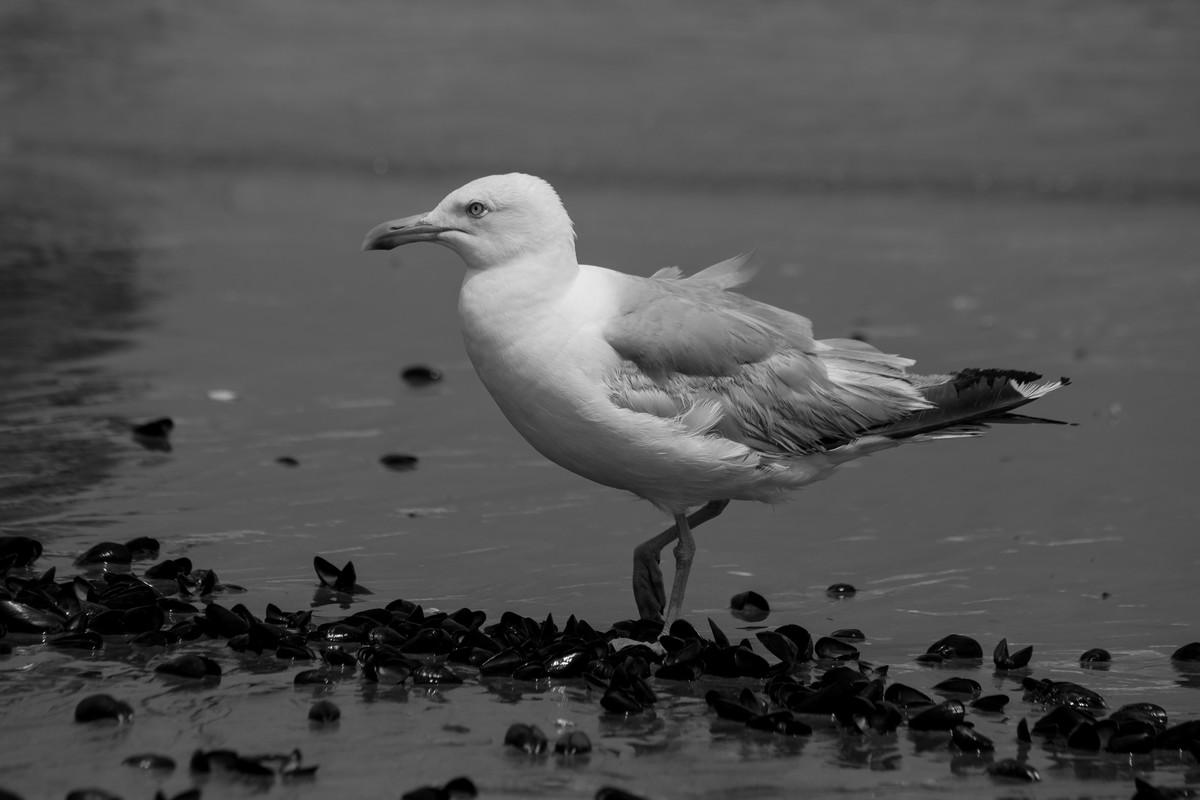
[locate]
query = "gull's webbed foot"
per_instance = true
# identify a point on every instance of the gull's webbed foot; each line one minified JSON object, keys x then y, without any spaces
{"x":648,"y":591}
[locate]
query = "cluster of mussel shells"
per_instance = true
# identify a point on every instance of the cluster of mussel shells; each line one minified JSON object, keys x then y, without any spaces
{"x":77,"y":612}
{"x":401,"y":643}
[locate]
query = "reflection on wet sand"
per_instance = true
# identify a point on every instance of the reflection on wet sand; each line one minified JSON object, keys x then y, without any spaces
{"x":68,"y":294}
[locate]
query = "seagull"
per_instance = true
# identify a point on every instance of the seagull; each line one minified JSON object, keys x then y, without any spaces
{"x":675,"y":388}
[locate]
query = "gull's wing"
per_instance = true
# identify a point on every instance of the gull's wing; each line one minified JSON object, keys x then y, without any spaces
{"x":754,"y":371}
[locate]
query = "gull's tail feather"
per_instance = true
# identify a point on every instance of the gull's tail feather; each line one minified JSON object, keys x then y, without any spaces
{"x":969,"y":401}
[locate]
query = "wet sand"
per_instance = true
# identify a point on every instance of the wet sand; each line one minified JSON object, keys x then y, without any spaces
{"x":184,"y":192}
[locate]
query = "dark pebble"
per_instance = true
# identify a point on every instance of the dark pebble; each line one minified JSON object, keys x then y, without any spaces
{"x":154,"y":435}
{"x":324,"y":711}
{"x":613,"y":793}
{"x":749,"y":607}
{"x":420,"y":375}
{"x":81,"y":794}
{"x":462,"y":787}
{"x":103,"y":706}
{"x":840,"y":590}
{"x":399,"y":462}
{"x":287,"y":461}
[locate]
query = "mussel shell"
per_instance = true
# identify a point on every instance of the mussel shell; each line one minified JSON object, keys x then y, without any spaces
{"x":749,"y":607}
{"x":826,"y":700}
{"x":1131,"y":743}
{"x":620,"y":701}
{"x":108,"y":622}
{"x":527,"y":738}
{"x":315,"y":677}
{"x":324,"y":712}
{"x":1062,"y":693}
{"x":969,"y":740}
{"x":1003,"y":660}
{"x":956,"y":646}
{"x":942,"y":717}
{"x":682,"y":629}
{"x":1151,"y":714}
{"x":680,"y":671}
{"x":531,"y":670}
{"x":170,"y":569}
{"x":18,"y":617}
{"x":781,"y":722}
{"x":569,"y":664}
{"x":849,"y":634}
{"x":128,"y":595}
{"x":503,"y":663}
{"x":101,"y":707}
{"x":991,"y":703}
{"x":750,"y":664}
{"x":959,"y":685}
{"x":906,"y":697}
{"x":105,"y":553}
{"x":573,"y":743}
{"x":835,"y":650}
{"x":1189,"y":652}
{"x":434,"y":675}
{"x":142,"y":548}
{"x":1061,"y":721}
{"x":1014,"y":769}
{"x":290,"y":651}
{"x":190,"y":666}
{"x":143,"y":619}
{"x":19,"y":551}
{"x":88,"y":640}
{"x":336,"y":656}
{"x":1097,"y":655}
{"x":429,"y":640}
{"x":1084,"y":736}
{"x":341,"y":633}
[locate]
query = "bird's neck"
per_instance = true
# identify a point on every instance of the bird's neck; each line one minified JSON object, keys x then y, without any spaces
{"x":502,"y":303}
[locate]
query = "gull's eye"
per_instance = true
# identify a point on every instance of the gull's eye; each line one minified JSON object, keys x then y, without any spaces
{"x":476,"y":209}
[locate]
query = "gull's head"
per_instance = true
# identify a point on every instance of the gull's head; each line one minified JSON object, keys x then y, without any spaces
{"x":488,"y":222}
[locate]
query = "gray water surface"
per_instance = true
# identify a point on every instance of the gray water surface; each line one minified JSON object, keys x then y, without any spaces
{"x":183,"y":190}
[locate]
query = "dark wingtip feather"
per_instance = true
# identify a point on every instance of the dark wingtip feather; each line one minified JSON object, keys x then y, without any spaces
{"x":975,"y":396}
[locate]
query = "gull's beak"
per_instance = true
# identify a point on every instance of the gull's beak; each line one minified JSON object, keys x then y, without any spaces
{"x":402,"y":231}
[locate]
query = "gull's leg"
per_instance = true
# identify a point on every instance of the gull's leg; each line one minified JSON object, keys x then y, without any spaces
{"x":648,"y":590}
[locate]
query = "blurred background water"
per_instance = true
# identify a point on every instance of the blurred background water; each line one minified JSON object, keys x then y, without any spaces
{"x":183,"y":189}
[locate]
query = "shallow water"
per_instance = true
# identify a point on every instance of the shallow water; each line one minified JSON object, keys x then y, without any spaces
{"x":184,"y":192}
